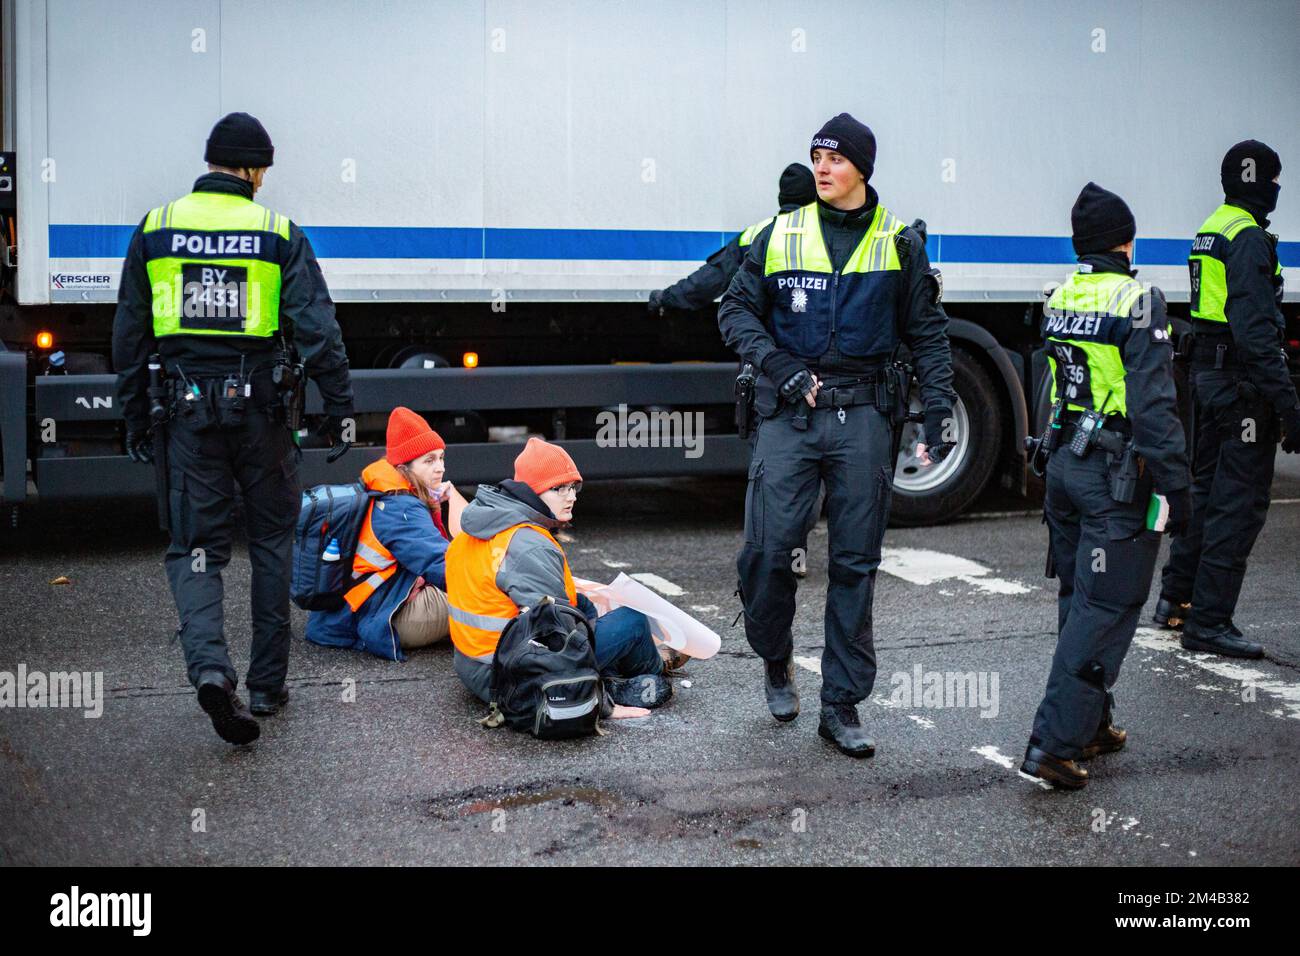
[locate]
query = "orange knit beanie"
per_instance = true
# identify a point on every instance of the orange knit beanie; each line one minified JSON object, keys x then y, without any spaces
{"x":542,"y":466}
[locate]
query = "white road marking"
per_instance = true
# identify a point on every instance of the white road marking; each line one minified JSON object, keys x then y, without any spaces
{"x":662,"y":585}
{"x":924,"y":722}
{"x":703,"y":608}
{"x":1287,"y":693}
{"x":813,"y":664}
{"x":990,"y":752}
{"x":615,"y":564}
{"x":1038,"y":782}
{"x":919,"y":566}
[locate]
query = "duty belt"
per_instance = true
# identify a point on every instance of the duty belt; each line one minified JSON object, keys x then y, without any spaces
{"x":1217,"y":352}
{"x":844,"y":396}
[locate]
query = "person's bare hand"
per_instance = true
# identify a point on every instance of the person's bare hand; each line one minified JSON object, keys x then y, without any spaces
{"x":623,"y":713}
{"x":811,"y":397}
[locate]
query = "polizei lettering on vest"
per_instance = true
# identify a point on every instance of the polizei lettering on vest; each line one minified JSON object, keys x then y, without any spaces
{"x":215,"y":244}
{"x":1203,"y":243}
{"x":1083,"y":323}
{"x":801,"y":282}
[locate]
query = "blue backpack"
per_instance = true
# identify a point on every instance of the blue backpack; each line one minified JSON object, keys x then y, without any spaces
{"x":325,"y":542}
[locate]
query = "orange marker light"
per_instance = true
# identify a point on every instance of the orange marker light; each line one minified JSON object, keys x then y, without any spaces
{"x":44,"y":340}
{"x":470,"y":359}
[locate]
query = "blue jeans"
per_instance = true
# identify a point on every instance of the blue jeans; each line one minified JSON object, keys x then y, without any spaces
{"x":624,"y":647}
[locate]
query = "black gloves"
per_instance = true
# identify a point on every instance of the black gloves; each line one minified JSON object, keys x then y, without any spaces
{"x":139,"y":445}
{"x":936,"y":421}
{"x":1291,"y":425}
{"x":1180,"y":511}
{"x":780,"y":366}
{"x":798,"y":385}
{"x":655,"y":304}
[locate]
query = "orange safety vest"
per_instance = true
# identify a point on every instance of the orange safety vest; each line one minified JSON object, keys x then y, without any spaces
{"x":479,"y":609}
{"x":374,"y":564}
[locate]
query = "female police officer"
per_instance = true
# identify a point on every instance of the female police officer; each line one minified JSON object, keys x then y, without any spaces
{"x":820,"y":305}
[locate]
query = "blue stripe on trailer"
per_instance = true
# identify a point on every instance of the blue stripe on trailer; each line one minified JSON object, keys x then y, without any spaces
{"x":70,"y":241}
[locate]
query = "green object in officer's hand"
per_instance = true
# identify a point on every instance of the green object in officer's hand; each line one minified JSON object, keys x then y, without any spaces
{"x":1157,"y":512}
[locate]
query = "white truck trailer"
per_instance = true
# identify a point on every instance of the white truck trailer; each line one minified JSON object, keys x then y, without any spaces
{"x":511,"y":178}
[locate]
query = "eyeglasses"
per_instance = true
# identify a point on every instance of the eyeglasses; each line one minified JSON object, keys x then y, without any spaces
{"x":572,"y":487}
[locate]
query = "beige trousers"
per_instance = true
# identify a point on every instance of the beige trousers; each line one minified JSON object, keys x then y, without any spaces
{"x":422,"y":619}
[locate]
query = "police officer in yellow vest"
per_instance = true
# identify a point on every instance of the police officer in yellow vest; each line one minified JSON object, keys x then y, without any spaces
{"x":1241,"y":386}
{"x":823,"y":301}
{"x":218,"y":286}
{"x":1116,"y":437}
{"x":701,"y":287}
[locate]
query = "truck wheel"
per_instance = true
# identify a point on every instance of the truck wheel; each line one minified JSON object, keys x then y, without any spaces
{"x":933,"y":494}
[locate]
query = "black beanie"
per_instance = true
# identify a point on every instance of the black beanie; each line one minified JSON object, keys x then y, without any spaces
{"x":798,"y":188}
{"x":1247,"y":174}
{"x":1100,"y":220}
{"x":238,"y":141}
{"x":851,"y":139}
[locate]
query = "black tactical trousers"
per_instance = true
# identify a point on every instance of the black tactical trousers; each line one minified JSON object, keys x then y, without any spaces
{"x":206,"y":462}
{"x":1232,"y":473}
{"x":855,"y":461}
{"x":1105,"y":559}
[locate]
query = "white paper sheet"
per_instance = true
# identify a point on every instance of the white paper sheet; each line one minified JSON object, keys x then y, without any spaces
{"x":668,"y":623}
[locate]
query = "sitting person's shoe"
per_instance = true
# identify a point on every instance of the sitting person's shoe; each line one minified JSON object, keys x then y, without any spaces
{"x":230,"y":717}
{"x":267,"y":703}
{"x":779,"y":689}
{"x":643,"y":690}
{"x":1171,"y":615}
{"x":674,"y":660}
{"x":1065,"y":774}
{"x":1106,"y":740}
{"x":841,"y":726}
{"x":1224,"y":639}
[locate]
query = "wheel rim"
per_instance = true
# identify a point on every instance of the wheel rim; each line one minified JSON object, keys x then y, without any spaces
{"x":910,"y":475}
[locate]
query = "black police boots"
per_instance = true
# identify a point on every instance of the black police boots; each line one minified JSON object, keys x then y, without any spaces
{"x":841,"y":726}
{"x":1065,"y":774}
{"x":1106,"y":740}
{"x":265,"y":703}
{"x":1224,"y":639}
{"x":778,"y":687}
{"x":1171,"y":615}
{"x":230,"y":717}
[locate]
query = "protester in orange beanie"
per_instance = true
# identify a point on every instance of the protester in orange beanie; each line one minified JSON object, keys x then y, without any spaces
{"x":397,"y":600}
{"x":507,"y":557}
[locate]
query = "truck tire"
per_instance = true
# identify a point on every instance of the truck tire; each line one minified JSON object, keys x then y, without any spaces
{"x":934,"y":494}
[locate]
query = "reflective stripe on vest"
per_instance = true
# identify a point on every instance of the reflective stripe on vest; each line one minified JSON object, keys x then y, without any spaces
{"x":1208,"y":261}
{"x":749,"y":235}
{"x":810,"y":300}
{"x":479,"y":610}
{"x":373,"y":564}
{"x":1084,"y":324}
{"x":214,"y":266}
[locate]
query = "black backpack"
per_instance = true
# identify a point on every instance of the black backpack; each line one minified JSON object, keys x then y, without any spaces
{"x":325,"y":541}
{"x":544,"y":677}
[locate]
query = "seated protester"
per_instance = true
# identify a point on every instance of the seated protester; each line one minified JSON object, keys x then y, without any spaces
{"x":399,"y":599}
{"x":506,"y":558}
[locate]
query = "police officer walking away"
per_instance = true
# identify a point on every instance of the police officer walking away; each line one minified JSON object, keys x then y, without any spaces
{"x":820,"y":305}
{"x":1240,"y":387}
{"x":710,"y":280}
{"x":1116,"y":435}
{"x":214,"y":288}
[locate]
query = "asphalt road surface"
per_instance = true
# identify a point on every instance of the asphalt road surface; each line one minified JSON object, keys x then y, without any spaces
{"x":405,"y":774}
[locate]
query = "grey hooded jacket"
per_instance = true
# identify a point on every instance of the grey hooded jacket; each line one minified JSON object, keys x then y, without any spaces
{"x":533,"y":566}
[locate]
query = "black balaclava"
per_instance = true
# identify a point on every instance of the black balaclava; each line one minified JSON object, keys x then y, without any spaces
{"x":1100,"y":221}
{"x":1247,"y":175}
{"x":798,"y":188}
